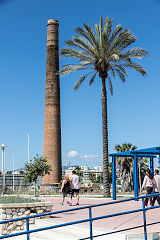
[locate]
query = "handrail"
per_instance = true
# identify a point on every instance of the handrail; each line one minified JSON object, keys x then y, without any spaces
{"x":90,"y":219}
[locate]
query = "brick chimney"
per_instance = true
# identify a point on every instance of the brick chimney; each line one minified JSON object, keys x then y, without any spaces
{"x":52,"y":122}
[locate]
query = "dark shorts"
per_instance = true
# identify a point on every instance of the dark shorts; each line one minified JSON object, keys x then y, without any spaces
{"x":75,"y":191}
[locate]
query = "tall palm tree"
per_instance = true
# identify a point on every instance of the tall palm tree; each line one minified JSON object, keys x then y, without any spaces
{"x":104,"y":52}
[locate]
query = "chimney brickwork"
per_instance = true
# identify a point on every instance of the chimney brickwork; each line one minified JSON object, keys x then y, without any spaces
{"x":52,"y":122}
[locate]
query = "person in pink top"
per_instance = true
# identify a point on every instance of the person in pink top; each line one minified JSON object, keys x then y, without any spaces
{"x":148,"y":184}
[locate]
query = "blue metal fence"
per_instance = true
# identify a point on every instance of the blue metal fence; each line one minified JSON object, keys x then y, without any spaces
{"x":90,"y":219}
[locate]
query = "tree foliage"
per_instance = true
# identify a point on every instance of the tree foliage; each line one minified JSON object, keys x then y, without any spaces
{"x":103,"y":51}
{"x":39,"y":167}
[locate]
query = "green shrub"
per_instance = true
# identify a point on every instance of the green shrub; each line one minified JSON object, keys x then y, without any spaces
{"x":16,"y":199}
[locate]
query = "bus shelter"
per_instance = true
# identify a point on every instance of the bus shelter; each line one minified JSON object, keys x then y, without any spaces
{"x":150,"y":153}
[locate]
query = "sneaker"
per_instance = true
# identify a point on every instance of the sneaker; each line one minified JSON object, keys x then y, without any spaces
{"x":70,"y":204}
{"x":61,"y":203}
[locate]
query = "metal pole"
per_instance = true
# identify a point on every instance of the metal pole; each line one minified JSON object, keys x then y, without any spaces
{"x":2,"y":171}
{"x":28,"y":150}
{"x":13,"y":173}
{"x":140,"y":187}
{"x":90,"y":216}
{"x":135,"y":175}
{"x":144,"y":219}
{"x":27,"y":228}
{"x":114,"y":178}
{"x":3,"y":168}
{"x":151,"y":165}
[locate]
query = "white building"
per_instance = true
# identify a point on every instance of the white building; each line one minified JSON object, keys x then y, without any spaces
{"x":86,"y":172}
{"x":84,"y":168}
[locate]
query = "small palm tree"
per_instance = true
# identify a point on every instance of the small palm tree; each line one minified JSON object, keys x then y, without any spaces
{"x":104,"y":52}
{"x":126,"y":166}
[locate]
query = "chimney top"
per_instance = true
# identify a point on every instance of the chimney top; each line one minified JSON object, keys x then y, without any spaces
{"x":52,"y":21}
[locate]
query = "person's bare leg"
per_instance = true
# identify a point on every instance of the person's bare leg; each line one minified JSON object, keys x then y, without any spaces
{"x":71,"y":196}
{"x":69,"y":199}
{"x":62,"y":201}
{"x":77,"y":195}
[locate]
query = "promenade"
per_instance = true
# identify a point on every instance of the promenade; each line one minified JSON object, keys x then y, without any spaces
{"x":99,"y":227}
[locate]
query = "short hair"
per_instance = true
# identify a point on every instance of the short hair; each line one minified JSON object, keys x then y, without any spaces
{"x":157,"y":171}
{"x":74,"y":172}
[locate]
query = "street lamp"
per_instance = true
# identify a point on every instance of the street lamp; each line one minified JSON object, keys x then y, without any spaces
{"x":3,"y":168}
{"x":13,"y":174}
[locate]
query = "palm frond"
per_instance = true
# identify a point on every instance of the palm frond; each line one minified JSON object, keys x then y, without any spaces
{"x":101,"y":26}
{"x":134,"y":53}
{"x":74,"y":53}
{"x":112,"y":71}
{"x":121,"y":75}
{"x":127,"y":41}
{"x":92,"y":79}
{"x":80,"y":45}
{"x":98,"y":32}
{"x":121,"y":41}
{"x":107,"y":27}
{"x":80,"y":80}
{"x":68,"y":69}
{"x":84,"y":44}
{"x":110,"y":84}
{"x":117,"y":31}
{"x":88,"y":33}
{"x":136,"y":67}
{"x":122,"y":69}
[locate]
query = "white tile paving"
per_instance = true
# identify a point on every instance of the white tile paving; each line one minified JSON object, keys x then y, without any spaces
{"x":73,"y":232}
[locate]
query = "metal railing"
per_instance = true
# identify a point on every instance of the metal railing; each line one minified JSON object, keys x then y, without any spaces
{"x":90,"y":219}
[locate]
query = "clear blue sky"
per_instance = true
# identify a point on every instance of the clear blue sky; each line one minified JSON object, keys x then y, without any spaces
{"x":133,"y":111}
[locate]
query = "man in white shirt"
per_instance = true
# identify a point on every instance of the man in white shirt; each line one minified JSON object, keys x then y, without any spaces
{"x":75,"y":185}
{"x":157,"y":186}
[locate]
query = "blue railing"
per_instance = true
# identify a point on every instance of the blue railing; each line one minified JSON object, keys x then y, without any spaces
{"x":90,"y":219}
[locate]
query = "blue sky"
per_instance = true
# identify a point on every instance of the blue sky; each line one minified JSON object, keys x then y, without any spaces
{"x":133,"y":111}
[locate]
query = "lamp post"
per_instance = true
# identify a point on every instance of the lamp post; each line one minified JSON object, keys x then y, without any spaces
{"x":3,"y":168}
{"x":13,"y":173}
{"x":28,"y":150}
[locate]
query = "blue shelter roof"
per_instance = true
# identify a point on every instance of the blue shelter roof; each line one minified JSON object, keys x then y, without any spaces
{"x":147,"y":152}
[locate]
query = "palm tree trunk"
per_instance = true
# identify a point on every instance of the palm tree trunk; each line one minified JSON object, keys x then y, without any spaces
{"x":123,"y":180}
{"x":35,"y":190}
{"x":105,"y":140}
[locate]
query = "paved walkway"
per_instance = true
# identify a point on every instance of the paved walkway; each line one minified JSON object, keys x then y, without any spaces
{"x":101,"y":226}
{"x":115,"y":223}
